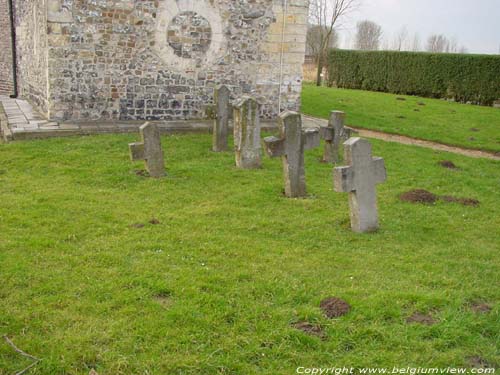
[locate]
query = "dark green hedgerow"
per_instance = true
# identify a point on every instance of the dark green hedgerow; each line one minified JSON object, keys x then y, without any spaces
{"x":464,"y":78}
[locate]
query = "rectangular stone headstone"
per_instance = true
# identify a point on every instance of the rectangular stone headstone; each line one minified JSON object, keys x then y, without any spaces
{"x":359,"y":179}
{"x":221,"y":122}
{"x":149,"y":150}
{"x":291,"y":144}
{"x":247,"y":133}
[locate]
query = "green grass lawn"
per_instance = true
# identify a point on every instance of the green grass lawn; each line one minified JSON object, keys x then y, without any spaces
{"x":454,"y":124}
{"x":216,"y":286}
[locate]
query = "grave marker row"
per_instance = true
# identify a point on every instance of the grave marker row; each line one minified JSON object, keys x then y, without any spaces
{"x":359,"y":178}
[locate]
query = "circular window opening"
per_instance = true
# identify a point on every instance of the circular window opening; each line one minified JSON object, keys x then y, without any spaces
{"x":189,"y":35}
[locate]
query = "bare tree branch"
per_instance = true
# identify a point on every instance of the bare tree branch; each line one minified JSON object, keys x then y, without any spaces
{"x":368,"y":36}
{"x":24,"y":354}
{"x":326,"y":15}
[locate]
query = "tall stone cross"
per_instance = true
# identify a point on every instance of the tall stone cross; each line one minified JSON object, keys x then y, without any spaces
{"x":290,"y":146}
{"x":359,"y":179}
{"x":247,"y":133}
{"x":221,"y":122}
{"x":333,"y":134}
{"x":149,"y":150}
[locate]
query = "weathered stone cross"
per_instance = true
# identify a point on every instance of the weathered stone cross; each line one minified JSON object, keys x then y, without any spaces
{"x":221,"y":123}
{"x":359,"y":179}
{"x":291,"y":146}
{"x":247,"y":133}
{"x":333,"y":134}
{"x":149,"y":150}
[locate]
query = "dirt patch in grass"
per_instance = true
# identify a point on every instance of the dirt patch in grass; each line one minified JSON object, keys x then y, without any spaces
{"x":401,"y":117}
{"x":474,"y":130}
{"x":334,"y":307}
{"x":480,"y":308}
{"x":141,"y":173}
{"x":310,"y":329}
{"x":448,"y":164}
{"x":426,"y":197}
{"x":419,"y":318}
{"x":154,"y":221}
{"x":419,"y":196}
{"x":401,"y":99}
{"x":478,"y":362}
{"x":463,"y":201}
{"x":421,"y":104}
{"x":137,"y":226}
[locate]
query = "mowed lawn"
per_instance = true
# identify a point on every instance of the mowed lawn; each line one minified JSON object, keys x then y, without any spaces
{"x":468,"y":126}
{"x":215,"y":285}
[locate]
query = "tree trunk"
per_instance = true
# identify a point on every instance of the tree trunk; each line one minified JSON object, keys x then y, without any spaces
{"x":320,"y":70}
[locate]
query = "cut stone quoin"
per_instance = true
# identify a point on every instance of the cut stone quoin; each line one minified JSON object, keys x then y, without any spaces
{"x":359,"y":179}
{"x":247,"y":133}
{"x":149,"y":150}
{"x":291,"y":144}
{"x":221,"y":122}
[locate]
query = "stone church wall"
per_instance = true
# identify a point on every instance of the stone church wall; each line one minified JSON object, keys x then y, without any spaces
{"x":6,"y":74}
{"x":161,"y":59}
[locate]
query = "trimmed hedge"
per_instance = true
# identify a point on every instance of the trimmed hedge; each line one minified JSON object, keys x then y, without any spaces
{"x":464,"y":78}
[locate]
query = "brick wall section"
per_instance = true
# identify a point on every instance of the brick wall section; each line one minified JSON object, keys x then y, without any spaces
{"x":6,"y":76}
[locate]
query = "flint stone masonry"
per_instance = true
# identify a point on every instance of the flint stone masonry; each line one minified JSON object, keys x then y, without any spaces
{"x":157,"y":59}
{"x":221,"y":122}
{"x":247,"y":133}
{"x":334,"y":134}
{"x":291,"y":144}
{"x":149,"y":150}
{"x":359,"y":179}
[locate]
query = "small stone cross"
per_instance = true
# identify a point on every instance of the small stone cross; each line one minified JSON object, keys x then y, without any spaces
{"x":290,"y":146}
{"x":333,"y":134}
{"x":359,"y":179}
{"x":149,"y":150}
{"x":221,"y":122}
{"x":247,"y":133}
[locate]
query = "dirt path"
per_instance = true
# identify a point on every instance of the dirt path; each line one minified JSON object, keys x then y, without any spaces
{"x":411,"y":141}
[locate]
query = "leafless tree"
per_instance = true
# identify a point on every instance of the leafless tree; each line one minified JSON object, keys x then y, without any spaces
{"x":415,"y":45}
{"x":327,"y":15}
{"x":400,"y":39}
{"x":314,"y":38}
{"x":368,"y":36}
{"x":437,"y":43}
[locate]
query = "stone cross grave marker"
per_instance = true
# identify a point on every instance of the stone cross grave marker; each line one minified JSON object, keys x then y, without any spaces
{"x":333,"y":134}
{"x":149,"y":150}
{"x":247,"y":133}
{"x":359,"y":179}
{"x":221,"y":122}
{"x":290,"y":146}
